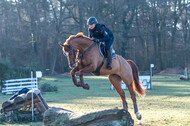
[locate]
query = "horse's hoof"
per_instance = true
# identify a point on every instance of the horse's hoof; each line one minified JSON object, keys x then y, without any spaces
{"x":138,"y":115}
{"x":86,"y":86}
{"x":109,"y":68}
{"x":139,"y":122}
{"x":126,"y":109}
{"x":78,"y":84}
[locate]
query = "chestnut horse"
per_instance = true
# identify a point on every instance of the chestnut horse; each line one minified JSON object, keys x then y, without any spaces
{"x":83,"y":56}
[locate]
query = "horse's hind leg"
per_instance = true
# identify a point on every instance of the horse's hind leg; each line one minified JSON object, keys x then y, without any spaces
{"x":116,"y":81}
{"x":133,"y":97}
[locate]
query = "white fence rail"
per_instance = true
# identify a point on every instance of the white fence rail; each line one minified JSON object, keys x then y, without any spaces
{"x":146,"y":80}
{"x":14,"y":85}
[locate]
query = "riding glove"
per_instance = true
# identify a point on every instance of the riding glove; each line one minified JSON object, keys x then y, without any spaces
{"x":96,"y":40}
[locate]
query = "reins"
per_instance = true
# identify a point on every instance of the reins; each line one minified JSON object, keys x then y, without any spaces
{"x":80,"y":54}
{"x":80,"y":57}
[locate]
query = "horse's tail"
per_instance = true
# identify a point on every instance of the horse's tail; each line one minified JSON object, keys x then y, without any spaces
{"x":136,"y":83}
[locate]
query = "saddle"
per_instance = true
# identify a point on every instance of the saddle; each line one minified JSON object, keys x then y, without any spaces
{"x":104,"y":55}
{"x":103,"y":50}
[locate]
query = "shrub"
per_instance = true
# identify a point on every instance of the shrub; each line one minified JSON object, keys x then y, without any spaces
{"x":47,"y":88}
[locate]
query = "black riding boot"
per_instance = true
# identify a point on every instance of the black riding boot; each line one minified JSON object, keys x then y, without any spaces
{"x":109,"y":59}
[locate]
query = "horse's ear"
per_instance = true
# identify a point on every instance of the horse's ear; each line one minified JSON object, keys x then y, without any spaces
{"x":61,"y":44}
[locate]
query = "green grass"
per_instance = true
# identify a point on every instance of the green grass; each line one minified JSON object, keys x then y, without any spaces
{"x":167,"y":104}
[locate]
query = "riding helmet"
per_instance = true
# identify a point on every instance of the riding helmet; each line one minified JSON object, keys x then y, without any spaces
{"x":91,"y":21}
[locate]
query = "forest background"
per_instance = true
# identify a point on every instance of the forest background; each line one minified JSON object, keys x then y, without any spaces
{"x":146,"y":31}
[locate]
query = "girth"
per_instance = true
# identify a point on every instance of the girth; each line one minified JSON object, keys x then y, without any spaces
{"x":97,"y":71}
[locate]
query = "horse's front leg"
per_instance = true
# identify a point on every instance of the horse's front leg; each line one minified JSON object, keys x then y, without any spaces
{"x":72,"y":73}
{"x":86,"y":69}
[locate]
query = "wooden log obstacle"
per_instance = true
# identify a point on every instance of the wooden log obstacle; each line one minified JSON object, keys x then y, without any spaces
{"x":110,"y":117}
{"x":23,"y":100}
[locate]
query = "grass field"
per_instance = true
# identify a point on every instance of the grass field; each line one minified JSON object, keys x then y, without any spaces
{"x":167,"y":104}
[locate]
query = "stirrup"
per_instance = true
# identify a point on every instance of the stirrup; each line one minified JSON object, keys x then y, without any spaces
{"x":109,"y":67}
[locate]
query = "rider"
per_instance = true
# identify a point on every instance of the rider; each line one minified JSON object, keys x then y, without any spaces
{"x":100,"y":33}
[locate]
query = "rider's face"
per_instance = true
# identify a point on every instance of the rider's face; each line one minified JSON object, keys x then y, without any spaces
{"x":92,"y":26}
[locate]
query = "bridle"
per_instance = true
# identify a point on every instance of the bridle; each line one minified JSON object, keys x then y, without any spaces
{"x":72,"y":65}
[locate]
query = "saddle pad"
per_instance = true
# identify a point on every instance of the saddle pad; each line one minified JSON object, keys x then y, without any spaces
{"x":102,"y":50}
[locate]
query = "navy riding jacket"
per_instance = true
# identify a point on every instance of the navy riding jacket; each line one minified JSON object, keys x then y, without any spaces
{"x":101,"y":32}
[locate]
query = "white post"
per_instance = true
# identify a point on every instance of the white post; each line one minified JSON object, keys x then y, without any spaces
{"x":32,"y":98}
{"x":186,"y":75}
{"x":151,"y":66}
{"x":38,"y":75}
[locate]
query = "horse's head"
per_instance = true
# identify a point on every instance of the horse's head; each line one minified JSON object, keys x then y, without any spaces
{"x":70,"y":53}
{"x":78,"y":42}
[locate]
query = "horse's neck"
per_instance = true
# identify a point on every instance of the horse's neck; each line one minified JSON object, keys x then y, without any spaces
{"x":81,"y":44}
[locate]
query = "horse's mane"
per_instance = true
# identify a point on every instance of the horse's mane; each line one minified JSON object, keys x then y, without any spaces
{"x":79,"y":35}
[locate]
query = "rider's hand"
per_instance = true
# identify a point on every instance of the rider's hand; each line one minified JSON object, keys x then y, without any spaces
{"x":96,"y":40}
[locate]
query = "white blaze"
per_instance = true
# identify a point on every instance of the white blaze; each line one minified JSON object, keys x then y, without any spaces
{"x":67,"y":54}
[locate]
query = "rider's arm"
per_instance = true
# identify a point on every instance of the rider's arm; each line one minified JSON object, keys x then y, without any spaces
{"x":90,"y":36}
{"x":106,"y":36}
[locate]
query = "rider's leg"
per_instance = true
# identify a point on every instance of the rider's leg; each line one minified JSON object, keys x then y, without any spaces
{"x":108,"y":51}
{"x":109,"y":59}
